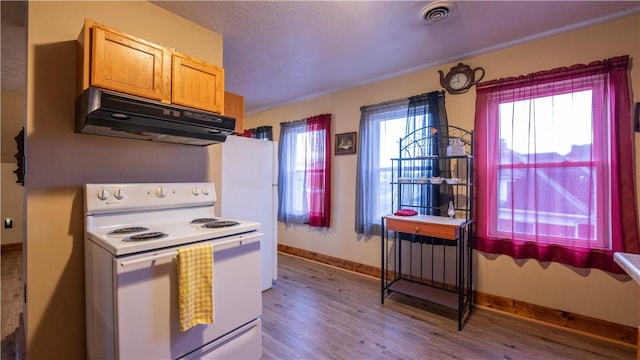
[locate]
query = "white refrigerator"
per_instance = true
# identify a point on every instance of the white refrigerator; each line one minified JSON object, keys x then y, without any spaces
{"x":245,"y":172}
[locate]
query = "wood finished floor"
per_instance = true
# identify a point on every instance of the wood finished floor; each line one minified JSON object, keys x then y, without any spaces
{"x":11,"y":302}
{"x":316,"y":311}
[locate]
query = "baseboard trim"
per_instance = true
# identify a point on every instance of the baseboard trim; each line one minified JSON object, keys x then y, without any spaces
{"x":586,"y":325}
{"x":11,"y":247}
{"x":330,"y":260}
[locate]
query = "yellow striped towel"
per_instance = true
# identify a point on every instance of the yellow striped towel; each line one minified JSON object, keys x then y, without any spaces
{"x":195,"y":278}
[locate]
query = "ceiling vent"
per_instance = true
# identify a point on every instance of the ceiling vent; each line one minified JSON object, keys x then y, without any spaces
{"x":437,"y":11}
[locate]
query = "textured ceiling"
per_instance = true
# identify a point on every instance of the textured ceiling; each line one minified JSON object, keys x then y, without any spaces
{"x":278,"y":52}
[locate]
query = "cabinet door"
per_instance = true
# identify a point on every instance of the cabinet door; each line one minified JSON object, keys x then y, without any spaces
{"x":130,"y":65}
{"x":234,"y":107}
{"x":197,"y":84}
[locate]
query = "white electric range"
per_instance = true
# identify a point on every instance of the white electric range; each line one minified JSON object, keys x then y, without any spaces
{"x":132,"y":235}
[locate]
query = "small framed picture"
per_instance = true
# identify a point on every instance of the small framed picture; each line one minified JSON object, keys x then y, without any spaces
{"x":346,"y":143}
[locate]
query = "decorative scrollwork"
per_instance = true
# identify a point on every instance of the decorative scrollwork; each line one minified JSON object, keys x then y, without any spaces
{"x":19,"y":171}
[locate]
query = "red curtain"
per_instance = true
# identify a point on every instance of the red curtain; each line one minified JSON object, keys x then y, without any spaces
{"x":577,"y":206}
{"x":319,"y":170}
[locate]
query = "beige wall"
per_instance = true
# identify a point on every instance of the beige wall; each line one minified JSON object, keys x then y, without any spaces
{"x":592,"y":293}
{"x":60,"y":161}
{"x":12,"y":192}
{"x":12,"y":205}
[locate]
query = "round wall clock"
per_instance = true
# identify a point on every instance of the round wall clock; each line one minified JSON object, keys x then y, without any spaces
{"x":460,"y":78}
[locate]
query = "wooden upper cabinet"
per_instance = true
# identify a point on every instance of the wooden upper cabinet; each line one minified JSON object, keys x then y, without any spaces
{"x":113,"y":60}
{"x":123,"y":63}
{"x":197,"y":84}
{"x":234,"y":107}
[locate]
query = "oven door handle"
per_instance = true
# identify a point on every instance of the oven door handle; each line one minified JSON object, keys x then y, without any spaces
{"x":149,"y":258}
{"x":218,"y":245}
{"x":238,"y":240}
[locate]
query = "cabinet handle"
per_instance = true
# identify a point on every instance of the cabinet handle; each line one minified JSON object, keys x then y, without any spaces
{"x":417,"y":229}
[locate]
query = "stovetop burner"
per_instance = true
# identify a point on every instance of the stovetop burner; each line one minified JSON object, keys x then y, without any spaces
{"x":203,"y":220}
{"x":219,"y":224}
{"x":127,"y":230}
{"x":142,"y":220}
{"x":146,"y":236}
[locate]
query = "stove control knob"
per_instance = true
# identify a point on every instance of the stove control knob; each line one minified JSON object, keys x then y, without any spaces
{"x":195,"y":191}
{"x":161,"y":192}
{"x":205,"y":190}
{"x":119,"y":194}
{"x":103,"y":194}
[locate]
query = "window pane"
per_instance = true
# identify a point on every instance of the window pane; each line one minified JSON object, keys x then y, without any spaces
{"x":547,"y":182}
{"x":301,"y":188}
{"x":558,"y":126}
{"x":554,"y":202}
{"x":390,"y":132}
{"x":306,"y":151}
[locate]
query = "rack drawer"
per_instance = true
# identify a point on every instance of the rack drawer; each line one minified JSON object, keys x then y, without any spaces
{"x":443,"y":231}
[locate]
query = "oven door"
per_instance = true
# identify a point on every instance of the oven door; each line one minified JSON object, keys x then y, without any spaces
{"x":147,"y":310}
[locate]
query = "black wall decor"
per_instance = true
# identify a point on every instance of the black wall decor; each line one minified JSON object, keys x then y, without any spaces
{"x":19,"y":171}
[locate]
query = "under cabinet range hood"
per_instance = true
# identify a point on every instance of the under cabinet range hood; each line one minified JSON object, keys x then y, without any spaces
{"x":108,"y":113}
